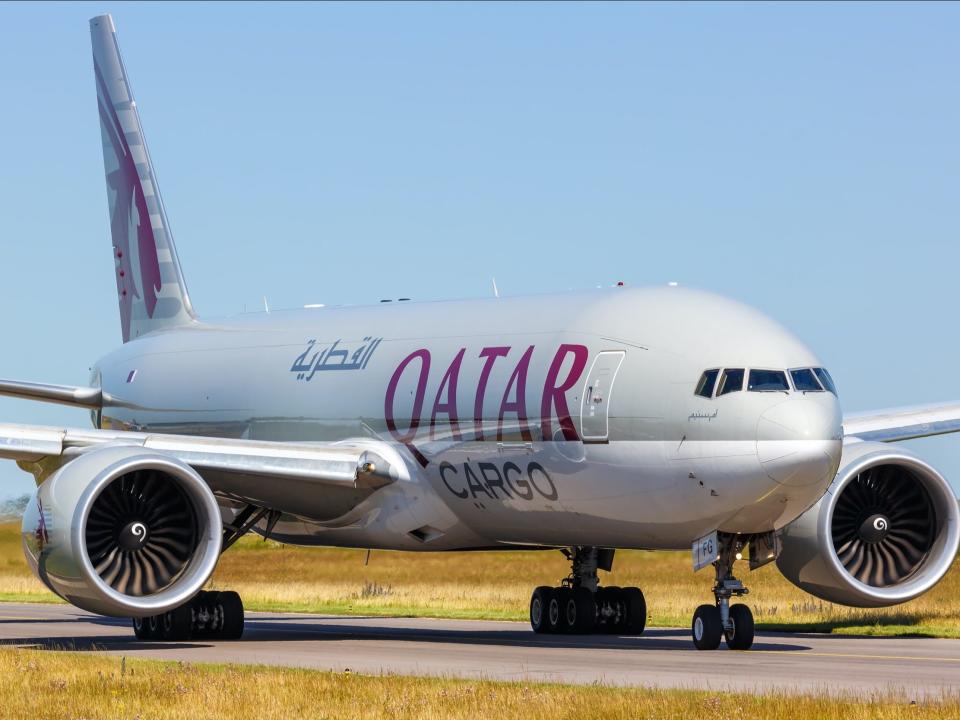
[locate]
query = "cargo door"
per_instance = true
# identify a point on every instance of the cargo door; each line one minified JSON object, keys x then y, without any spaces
{"x":595,"y":406}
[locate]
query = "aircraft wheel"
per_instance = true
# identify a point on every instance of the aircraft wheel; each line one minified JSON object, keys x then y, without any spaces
{"x":539,"y":609}
{"x":613,"y":599}
{"x":176,"y":624}
{"x":555,"y":610}
{"x":567,"y":605}
{"x":144,"y":629}
{"x":636,"y":611}
{"x":232,"y":609}
{"x":707,"y":628}
{"x":586,"y":605}
{"x":740,"y":634}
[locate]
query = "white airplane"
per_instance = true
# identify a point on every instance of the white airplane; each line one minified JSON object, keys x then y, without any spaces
{"x":659,"y":418}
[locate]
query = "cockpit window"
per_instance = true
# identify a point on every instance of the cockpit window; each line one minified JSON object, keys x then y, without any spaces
{"x":824,"y":377}
{"x":805,"y":381}
{"x":731,"y":381}
{"x":768,"y":381}
{"x":707,"y":381}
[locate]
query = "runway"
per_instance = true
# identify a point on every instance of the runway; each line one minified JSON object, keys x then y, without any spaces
{"x":662,"y":657}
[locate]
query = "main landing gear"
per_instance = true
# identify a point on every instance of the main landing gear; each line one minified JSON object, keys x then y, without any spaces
{"x":580,"y":606}
{"x":733,"y":623}
{"x":210,"y":615}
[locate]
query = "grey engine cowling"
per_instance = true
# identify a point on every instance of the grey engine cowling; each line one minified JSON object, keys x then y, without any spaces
{"x":123,"y":531}
{"x":885,"y":532}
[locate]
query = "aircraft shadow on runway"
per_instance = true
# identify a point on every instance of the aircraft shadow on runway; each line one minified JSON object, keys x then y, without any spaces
{"x":94,"y":643}
{"x":888,"y":619}
{"x":769,"y":630}
{"x":296,"y":629}
{"x":283,"y":629}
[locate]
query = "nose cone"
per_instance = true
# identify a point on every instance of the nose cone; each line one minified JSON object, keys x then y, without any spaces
{"x":799,"y":440}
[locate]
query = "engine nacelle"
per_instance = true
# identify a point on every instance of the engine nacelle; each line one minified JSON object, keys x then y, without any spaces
{"x":123,"y":531}
{"x":885,"y":532}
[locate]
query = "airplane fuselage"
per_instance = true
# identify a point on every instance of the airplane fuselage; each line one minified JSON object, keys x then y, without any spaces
{"x":545,"y":420}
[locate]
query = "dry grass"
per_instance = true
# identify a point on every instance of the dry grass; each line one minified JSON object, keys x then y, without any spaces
{"x":41,"y":684}
{"x":497,"y":585}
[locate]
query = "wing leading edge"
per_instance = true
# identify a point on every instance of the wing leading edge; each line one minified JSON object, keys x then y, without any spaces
{"x":904,"y":423}
{"x":87,"y":397}
{"x":41,"y":449}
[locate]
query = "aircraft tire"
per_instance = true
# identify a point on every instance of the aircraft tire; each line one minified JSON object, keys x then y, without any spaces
{"x":142,"y":629}
{"x":232,"y":607}
{"x":636,"y":611}
{"x":176,"y":624}
{"x":539,"y":608}
{"x":557,"y":610}
{"x":613,"y":596}
{"x":584,"y":611}
{"x":706,"y":628}
{"x":568,"y":610}
{"x":740,"y":636}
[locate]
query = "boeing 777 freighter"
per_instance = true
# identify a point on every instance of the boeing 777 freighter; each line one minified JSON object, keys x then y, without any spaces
{"x":659,"y":418}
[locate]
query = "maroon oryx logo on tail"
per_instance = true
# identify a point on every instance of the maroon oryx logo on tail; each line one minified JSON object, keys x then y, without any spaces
{"x":128,"y":214}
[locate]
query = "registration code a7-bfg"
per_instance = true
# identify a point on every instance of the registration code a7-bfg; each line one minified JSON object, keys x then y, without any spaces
{"x":705,"y":551}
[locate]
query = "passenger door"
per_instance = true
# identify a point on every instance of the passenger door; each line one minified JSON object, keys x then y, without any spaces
{"x":595,"y":406}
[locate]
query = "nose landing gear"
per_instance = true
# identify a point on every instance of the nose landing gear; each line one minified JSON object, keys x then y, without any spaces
{"x":580,"y":606}
{"x":733,"y":623}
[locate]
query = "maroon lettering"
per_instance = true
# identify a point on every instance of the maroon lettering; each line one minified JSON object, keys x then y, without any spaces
{"x":491,"y":354}
{"x":389,"y":400}
{"x":519,"y":404}
{"x":555,"y":395}
{"x":449,"y":407}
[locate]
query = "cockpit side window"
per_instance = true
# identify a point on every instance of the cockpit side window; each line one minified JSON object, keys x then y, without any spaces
{"x":824,"y":377}
{"x":707,"y":381}
{"x":768,"y":381}
{"x":805,"y":381}
{"x":731,"y":381}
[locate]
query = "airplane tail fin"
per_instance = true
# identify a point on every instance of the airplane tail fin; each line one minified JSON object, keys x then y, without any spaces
{"x":150,"y":285}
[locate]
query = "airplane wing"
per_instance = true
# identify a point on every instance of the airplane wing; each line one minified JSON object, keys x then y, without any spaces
{"x":331,"y":464}
{"x":42,"y":449}
{"x":87,"y":397}
{"x":322,"y":480}
{"x":904,"y":423}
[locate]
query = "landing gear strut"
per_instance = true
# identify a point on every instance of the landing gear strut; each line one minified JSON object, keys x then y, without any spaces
{"x":734,"y":623}
{"x":580,"y":606}
{"x":210,"y":615}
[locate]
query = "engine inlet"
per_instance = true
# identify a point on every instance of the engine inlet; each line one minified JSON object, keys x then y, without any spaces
{"x":884,"y":525}
{"x":141,"y":532}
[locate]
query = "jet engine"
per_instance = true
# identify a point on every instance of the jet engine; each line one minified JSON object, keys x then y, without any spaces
{"x":123,"y":531}
{"x":885,"y":532}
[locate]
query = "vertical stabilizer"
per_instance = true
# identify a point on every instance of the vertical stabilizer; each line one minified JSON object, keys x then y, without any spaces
{"x":150,"y":285}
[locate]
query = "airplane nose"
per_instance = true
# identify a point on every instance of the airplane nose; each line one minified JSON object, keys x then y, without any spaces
{"x":799,"y":440}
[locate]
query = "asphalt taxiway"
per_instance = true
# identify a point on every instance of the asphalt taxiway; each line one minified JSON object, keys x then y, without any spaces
{"x":662,"y":657}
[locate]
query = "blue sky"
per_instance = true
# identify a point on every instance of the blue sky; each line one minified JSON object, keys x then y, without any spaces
{"x":802,"y":158}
